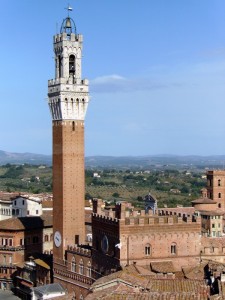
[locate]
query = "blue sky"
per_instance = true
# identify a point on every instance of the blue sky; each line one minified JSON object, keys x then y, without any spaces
{"x":156,"y":71}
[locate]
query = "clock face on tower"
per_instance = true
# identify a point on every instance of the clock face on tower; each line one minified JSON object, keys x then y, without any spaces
{"x":57,"y":238}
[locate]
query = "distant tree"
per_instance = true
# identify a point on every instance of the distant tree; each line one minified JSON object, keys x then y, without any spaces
{"x":88,"y":196}
{"x":116,"y":195}
{"x":139,"y":198}
{"x":32,"y":179}
{"x":13,"y":172}
{"x":184,"y":190}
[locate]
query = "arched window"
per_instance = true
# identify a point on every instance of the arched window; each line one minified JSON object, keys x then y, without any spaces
{"x":46,"y":238}
{"x":219,"y":182}
{"x":72,"y":64}
{"x":73,"y":125}
{"x":219,"y":205}
{"x":89,"y":269}
{"x":73,"y":265}
{"x":147,"y":249}
{"x":219,"y":195}
{"x":81,"y":267}
{"x":173,"y":249}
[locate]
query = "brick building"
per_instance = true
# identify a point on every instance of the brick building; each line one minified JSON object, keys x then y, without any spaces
{"x":19,"y":239}
{"x":122,"y":237}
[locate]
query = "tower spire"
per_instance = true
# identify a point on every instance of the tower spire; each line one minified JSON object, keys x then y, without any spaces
{"x":69,"y":8}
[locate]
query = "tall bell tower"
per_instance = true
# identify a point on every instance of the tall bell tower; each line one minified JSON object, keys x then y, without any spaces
{"x":68,"y":99}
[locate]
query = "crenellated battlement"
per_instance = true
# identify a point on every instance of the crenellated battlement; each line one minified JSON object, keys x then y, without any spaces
{"x":160,"y":220}
{"x":216,"y":172}
{"x":79,"y":250}
{"x":77,"y":83}
{"x":126,"y":215}
{"x":64,"y":37}
{"x":104,"y":218}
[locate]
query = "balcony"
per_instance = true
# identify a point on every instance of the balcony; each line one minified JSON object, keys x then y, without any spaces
{"x":7,"y":266}
{"x":12,"y":248}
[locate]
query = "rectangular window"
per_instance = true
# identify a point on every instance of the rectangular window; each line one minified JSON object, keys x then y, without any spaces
{"x":36,"y":212}
{"x":35,"y":239}
{"x":76,"y":239}
{"x":173,"y":249}
{"x":147,"y":250}
{"x":5,"y":242}
{"x":213,"y":225}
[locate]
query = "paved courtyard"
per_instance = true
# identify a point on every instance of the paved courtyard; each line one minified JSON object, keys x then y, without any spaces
{"x":6,"y":295}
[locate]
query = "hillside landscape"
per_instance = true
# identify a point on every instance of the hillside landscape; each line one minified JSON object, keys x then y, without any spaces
{"x":172,"y":180}
{"x":100,"y":161}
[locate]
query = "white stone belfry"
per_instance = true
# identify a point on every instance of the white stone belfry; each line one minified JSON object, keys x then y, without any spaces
{"x":68,"y":94}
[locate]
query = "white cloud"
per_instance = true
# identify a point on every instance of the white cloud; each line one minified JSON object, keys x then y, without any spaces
{"x":117,"y":84}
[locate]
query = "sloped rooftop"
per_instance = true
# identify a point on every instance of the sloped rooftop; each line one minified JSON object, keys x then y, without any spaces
{"x":49,"y":289}
{"x":29,"y":222}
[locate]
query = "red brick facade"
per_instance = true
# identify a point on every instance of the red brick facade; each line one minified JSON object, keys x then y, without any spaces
{"x":68,"y":184}
{"x":216,"y":187}
{"x":141,"y":238}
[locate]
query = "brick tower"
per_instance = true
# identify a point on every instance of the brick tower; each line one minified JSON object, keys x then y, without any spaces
{"x":216,"y":187}
{"x":68,"y":99}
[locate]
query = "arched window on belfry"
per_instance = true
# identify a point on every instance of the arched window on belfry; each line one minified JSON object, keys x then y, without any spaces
{"x":72,"y":64}
{"x":148,"y":249}
{"x":219,"y":182}
{"x":73,"y":265}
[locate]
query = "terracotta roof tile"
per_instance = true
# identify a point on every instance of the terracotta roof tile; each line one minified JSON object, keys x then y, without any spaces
{"x":26,"y":223}
{"x":195,"y":273}
{"x":162,"y":267}
{"x":203,"y":201}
